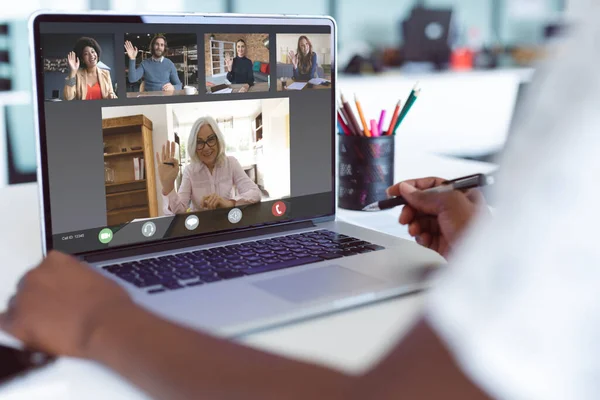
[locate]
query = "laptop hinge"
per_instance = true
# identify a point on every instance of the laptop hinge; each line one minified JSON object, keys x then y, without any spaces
{"x":196,"y":241}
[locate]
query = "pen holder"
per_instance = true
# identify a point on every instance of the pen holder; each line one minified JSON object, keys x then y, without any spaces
{"x":365,"y":170}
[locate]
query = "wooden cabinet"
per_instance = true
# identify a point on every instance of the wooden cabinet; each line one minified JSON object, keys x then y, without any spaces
{"x":127,"y":198}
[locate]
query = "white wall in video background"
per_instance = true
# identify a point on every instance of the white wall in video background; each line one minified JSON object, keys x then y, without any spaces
{"x":256,"y":134}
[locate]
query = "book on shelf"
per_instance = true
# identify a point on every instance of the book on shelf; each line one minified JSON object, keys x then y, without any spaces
{"x":142,"y":171}
{"x":136,"y":168}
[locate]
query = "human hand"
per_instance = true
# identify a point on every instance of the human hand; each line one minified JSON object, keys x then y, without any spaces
{"x":228,"y":63}
{"x":294,"y":58}
{"x":60,"y":305}
{"x":214,"y":201}
{"x":73,"y":62}
{"x":168,"y":87}
{"x":245,"y":87}
{"x":112,"y":96}
{"x":131,"y":50}
{"x":167,"y":173}
{"x":436,"y":220}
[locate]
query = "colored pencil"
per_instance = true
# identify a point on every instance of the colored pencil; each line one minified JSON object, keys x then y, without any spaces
{"x":380,"y":124}
{"x":374,"y":129}
{"x":362,"y":117}
{"x":342,"y":111}
{"x":350,"y":118}
{"x":394,"y":118}
{"x":343,"y":127}
{"x":411,"y":100}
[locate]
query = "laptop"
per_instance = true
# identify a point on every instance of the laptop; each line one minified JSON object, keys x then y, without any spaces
{"x":243,"y":241}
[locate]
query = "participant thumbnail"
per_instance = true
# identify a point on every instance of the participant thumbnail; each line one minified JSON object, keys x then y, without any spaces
{"x":167,"y":159}
{"x":237,"y":63}
{"x":304,"y":61}
{"x":161,"y":64}
{"x":78,"y":67}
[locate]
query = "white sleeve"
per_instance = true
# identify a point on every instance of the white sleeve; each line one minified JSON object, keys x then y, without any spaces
{"x":178,"y":202}
{"x":519,"y":305}
{"x":247,"y":191}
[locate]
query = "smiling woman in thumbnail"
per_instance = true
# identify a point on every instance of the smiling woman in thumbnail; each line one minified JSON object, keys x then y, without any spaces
{"x":304,"y":60}
{"x":239,"y":69}
{"x":212,"y":180}
{"x":85,"y":80}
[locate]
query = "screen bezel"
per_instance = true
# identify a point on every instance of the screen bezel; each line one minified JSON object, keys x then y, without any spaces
{"x":163,"y":18}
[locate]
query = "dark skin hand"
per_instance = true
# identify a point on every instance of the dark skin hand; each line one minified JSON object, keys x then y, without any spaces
{"x":64,"y":307}
{"x":437,"y":220}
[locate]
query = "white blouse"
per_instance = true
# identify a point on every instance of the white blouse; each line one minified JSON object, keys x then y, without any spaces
{"x":228,"y":180}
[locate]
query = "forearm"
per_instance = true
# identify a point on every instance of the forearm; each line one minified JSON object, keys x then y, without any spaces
{"x":419,"y":367}
{"x":175,"y":204}
{"x":177,"y":363}
{"x":69,"y":90}
{"x":175,"y":80}
{"x":134,"y":74}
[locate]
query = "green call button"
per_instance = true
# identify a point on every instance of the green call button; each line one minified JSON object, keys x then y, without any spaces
{"x":105,"y":236}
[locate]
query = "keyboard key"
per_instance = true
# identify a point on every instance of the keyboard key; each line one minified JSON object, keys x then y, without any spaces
{"x":185,"y":275}
{"x":374,"y":247}
{"x":282,"y":265}
{"x":231,"y":274}
{"x":172,"y":285}
{"x":209,"y":279}
{"x":330,"y":256}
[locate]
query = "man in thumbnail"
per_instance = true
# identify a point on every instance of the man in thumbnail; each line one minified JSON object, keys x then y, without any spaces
{"x":85,"y":80}
{"x":159,"y":72}
{"x":304,"y":60}
{"x":212,"y":180}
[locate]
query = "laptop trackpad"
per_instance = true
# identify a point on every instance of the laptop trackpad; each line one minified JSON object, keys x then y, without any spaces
{"x":316,"y":283}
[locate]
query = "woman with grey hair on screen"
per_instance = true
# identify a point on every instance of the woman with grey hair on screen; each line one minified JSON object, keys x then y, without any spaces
{"x":212,"y":180}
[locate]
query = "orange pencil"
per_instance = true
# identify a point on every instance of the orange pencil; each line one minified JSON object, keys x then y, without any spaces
{"x":362,"y":117}
{"x":394,"y":118}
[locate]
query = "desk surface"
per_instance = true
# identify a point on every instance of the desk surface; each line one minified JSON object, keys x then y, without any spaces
{"x":158,"y":93}
{"x":350,"y":341}
{"x":257,"y":87}
{"x":290,"y":81}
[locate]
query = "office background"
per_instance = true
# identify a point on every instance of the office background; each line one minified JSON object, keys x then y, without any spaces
{"x":370,"y":31}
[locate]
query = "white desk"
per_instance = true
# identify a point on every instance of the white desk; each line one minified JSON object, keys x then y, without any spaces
{"x":350,"y":341}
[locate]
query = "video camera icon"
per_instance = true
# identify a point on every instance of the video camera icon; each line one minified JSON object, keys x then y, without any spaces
{"x":105,"y":236}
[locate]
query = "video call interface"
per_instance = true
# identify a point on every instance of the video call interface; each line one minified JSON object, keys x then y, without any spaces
{"x":158,"y":131}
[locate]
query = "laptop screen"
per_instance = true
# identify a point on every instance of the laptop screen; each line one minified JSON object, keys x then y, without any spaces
{"x":160,"y":128}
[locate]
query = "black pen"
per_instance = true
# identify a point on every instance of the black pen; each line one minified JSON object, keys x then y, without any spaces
{"x":169,"y":163}
{"x":465,"y":182}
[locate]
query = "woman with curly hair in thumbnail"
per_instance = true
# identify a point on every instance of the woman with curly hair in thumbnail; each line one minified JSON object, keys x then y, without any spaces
{"x":85,"y":80}
{"x":304,"y":60}
{"x":212,"y":180}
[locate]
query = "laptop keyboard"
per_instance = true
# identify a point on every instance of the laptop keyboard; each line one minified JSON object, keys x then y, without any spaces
{"x":200,"y":267}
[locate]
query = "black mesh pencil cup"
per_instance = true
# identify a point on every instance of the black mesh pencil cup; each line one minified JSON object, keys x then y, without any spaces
{"x":365,"y":169}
